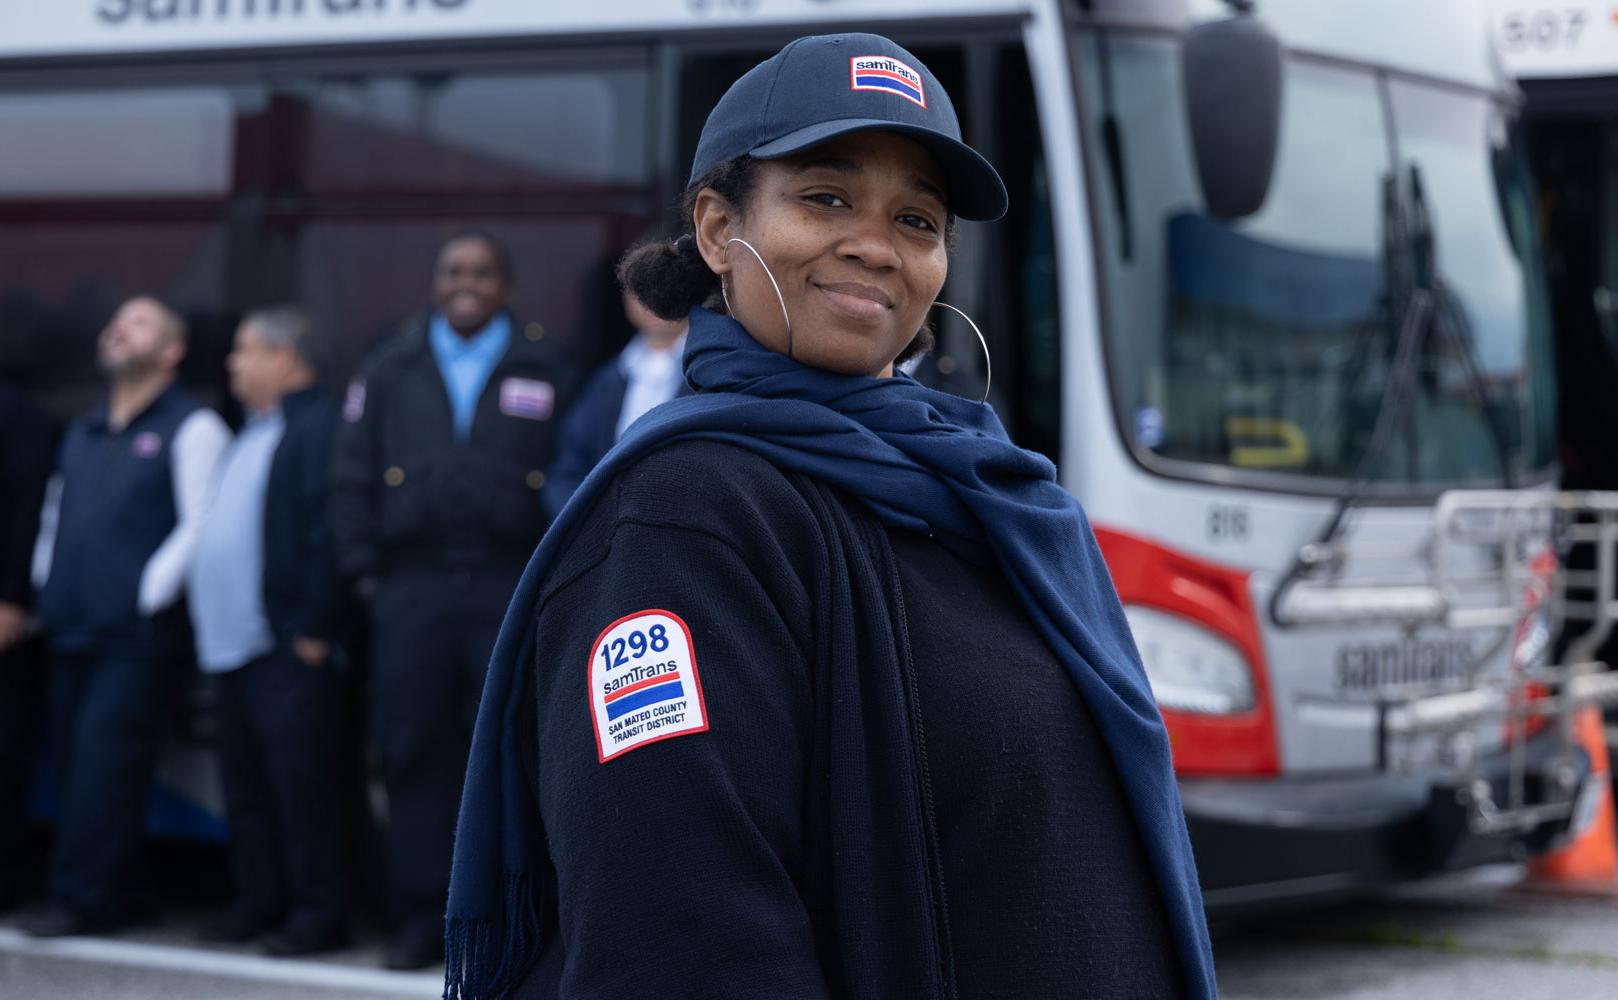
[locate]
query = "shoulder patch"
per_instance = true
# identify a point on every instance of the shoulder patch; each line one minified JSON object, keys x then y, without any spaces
{"x":643,"y":683}
{"x":528,"y":398}
{"x":147,"y":444}
{"x":354,"y":400}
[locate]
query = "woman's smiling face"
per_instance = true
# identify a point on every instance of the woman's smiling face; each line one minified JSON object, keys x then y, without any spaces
{"x":854,"y":232}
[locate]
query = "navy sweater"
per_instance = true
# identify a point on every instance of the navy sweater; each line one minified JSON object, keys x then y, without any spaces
{"x":117,"y":507}
{"x":706,"y":865}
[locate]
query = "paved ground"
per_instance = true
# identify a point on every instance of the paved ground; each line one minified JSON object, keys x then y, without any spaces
{"x":95,"y":970}
{"x":163,"y":963}
{"x":1482,"y":937}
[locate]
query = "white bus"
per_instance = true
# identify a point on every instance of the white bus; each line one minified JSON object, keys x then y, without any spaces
{"x":1212,"y":377}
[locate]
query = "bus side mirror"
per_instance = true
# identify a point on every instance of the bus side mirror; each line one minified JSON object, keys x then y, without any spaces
{"x":1231,"y":72}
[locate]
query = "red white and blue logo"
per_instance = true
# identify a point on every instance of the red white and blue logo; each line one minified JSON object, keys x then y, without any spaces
{"x":644,"y":686}
{"x":887,"y":74}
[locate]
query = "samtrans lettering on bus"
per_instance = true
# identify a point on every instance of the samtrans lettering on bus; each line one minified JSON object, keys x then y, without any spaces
{"x":163,"y":11}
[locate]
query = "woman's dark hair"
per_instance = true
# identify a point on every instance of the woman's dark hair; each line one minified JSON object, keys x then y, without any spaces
{"x":670,"y":276}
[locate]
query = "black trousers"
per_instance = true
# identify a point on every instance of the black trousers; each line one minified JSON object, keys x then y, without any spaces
{"x":280,"y":722}
{"x":22,"y":699}
{"x":432,"y":632}
{"x":109,"y":712}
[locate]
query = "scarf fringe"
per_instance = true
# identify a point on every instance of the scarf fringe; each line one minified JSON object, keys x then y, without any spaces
{"x":485,"y":962}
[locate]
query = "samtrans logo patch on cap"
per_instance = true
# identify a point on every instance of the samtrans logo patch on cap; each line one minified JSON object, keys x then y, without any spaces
{"x":891,"y":75}
{"x":643,"y":683}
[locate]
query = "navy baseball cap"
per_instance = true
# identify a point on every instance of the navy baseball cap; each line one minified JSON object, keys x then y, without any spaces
{"x":824,"y":86}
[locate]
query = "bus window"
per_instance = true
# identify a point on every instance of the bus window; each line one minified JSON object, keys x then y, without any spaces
{"x":169,"y":142}
{"x":518,"y":132}
{"x":1460,"y":141}
{"x":1259,"y":351}
{"x":103,"y":194}
{"x":284,"y":182}
{"x":556,"y":163}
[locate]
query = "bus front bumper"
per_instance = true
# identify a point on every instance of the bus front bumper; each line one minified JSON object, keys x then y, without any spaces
{"x":1262,"y":840}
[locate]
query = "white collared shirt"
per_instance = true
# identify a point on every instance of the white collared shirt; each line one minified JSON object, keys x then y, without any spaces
{"x":226,"y":579}
{"x":655,"y":376}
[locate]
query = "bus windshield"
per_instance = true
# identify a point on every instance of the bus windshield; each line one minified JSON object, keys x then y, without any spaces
{"x":1259,"y":351}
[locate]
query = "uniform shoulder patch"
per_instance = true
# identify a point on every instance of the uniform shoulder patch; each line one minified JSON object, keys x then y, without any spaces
{"x":147,"y":444}
{"x":643,"y":683}
{"x":354,"y":400}
{"x":528,"y":398}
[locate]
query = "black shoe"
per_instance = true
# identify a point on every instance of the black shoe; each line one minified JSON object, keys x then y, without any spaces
{"x":293,"y":940}
{"x":59,"y":921}
{"x":238,"y":925}
{"x":413,"y":951}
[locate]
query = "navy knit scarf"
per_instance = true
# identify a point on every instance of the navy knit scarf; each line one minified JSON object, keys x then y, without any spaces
{"x":919,"y":459}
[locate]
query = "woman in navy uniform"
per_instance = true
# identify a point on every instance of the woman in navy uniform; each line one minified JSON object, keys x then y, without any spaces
{"x":819,"y":686}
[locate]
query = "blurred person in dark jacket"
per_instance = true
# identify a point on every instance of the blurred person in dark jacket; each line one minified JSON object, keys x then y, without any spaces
{"x":133,"y":481}
{"x":27,"y":447}
{"x":263,"y":596}
{"x":645,"y":373}
{"x":435,"y":505}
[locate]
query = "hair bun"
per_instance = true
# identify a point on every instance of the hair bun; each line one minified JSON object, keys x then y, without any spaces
{"x":668,"y":277}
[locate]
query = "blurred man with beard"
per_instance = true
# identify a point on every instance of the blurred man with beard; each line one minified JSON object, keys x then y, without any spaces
{"x":121,"y":516}
{"x":435,"y":509}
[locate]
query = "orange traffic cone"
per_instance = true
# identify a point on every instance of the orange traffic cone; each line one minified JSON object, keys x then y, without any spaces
{"x":1590,"y":860}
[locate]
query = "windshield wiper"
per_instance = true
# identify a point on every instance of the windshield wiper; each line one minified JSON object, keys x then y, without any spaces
{"x":1419,"y":308}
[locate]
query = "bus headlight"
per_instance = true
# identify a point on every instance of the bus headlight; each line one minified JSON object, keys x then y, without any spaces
{"x":1191,"y":669}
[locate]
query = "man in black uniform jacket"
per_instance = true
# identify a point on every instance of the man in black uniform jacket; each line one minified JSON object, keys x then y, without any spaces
{"x":435,"y":510}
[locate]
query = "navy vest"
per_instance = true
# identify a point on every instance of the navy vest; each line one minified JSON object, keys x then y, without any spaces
{"x":117,"y":508}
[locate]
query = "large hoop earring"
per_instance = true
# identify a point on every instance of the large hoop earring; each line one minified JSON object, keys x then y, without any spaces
{"x":773,"y":284}
{"x":988,"y":362}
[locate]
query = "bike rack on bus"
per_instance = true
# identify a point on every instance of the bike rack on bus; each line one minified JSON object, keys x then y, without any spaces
{"x":1496,"y":565}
